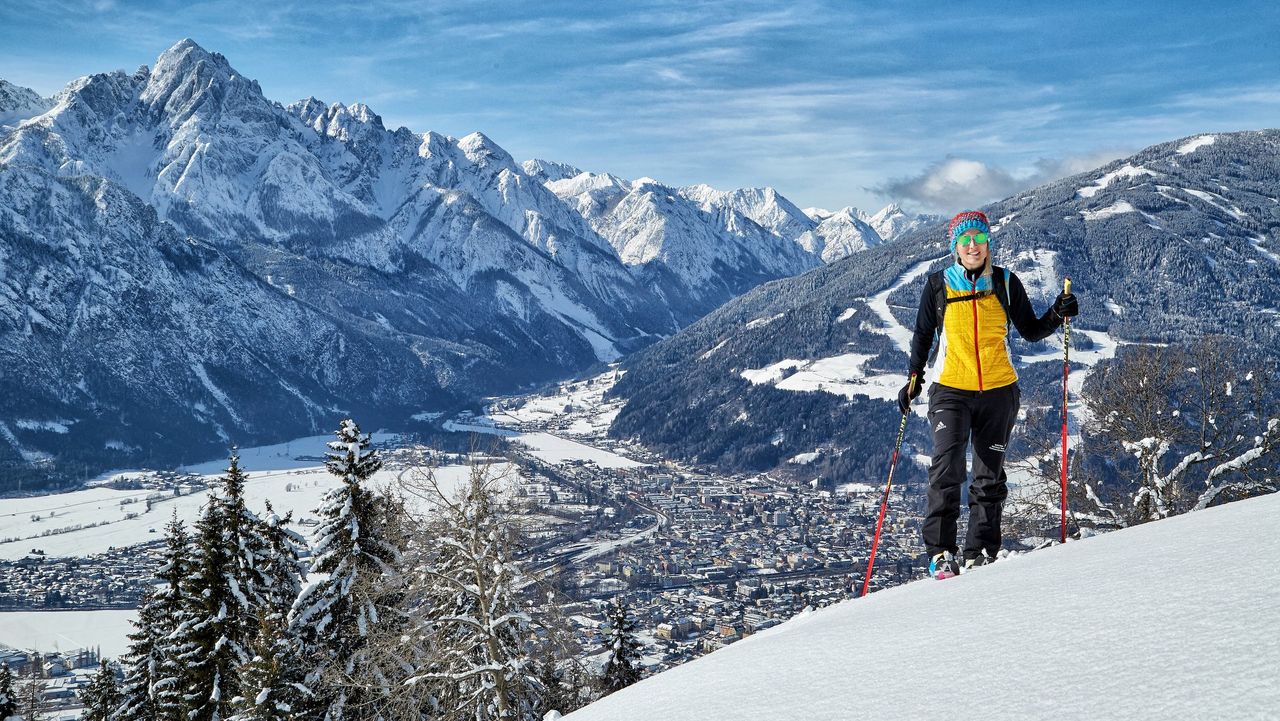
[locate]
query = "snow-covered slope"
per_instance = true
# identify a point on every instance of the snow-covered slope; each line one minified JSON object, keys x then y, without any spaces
{"x":1170,"y":620}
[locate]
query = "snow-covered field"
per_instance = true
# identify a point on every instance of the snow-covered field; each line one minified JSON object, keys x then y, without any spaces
{"x":583,"y":401}
{"x":577,"y":409}
{"x":553,"y":449}
{"x":68,"y":630}
{"x":1169,"y":620}
{"x":93,"y":520}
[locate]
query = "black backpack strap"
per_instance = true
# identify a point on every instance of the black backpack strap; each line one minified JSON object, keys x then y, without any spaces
{"x":1000,"y":284}
{"x":939,"y":292}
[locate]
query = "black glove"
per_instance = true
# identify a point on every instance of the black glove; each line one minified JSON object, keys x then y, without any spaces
{"x":1066,"y":306}
{"x":908,"y":394}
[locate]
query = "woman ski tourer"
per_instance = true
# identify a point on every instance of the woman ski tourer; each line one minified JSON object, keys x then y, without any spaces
{"x":968,"y":308}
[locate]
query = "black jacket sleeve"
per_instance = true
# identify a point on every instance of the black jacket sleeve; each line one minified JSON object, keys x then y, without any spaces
{"x":1024,"y":316}
{"x":926,"y":328}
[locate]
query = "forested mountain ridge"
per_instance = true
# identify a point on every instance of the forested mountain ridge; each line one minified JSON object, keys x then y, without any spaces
{"x":1176,"y":242}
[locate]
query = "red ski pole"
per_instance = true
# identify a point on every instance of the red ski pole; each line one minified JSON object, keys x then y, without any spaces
{"x":884,"y":502}
{"x":1066,"y":346}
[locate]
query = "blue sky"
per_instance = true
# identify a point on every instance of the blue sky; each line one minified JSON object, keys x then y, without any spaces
{"x":933,"y":104}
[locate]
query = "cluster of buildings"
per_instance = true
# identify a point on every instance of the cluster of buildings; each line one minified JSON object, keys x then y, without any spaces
{"x":711,"y":560}
{"x":704,"y":560}
{"x":57,"y":681}
{"x":114,"y":579}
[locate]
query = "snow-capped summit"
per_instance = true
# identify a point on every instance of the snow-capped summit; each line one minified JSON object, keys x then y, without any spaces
{"x":1091,"y":629}
{"x":891,"y":221}
{"x":18,"y":103}
{"x":765,"y":206}
{"x":481,"y":150}
{"x":548,"y":171}
{"x":845,"y":233}
{"x":698,"y":251}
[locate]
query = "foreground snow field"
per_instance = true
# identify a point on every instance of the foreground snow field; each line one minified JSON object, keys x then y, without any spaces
{"x":107,"y":631}
{"x":1169,"y":620}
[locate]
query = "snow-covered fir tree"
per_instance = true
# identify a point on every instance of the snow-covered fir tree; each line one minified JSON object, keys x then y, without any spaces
{"x":8,"y":699}
{"x":279,"y":571}
{"x":272,"y":682}
{"x":102,"y":696}
{"x":245,"y":536}
{"x":336,"y":616}
{"x":154,"y":677}
{"x":622,"y":668}
{"x":213,"y":652}
{"x":142,"y":664}
{"x":561,"y":685}
{"x":477,"y":631}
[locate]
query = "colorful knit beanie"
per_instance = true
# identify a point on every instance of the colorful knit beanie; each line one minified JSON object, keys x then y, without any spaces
{"x":966,"y":220}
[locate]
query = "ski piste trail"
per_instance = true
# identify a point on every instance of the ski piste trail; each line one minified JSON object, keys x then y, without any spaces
{"x":1169,"y":620}
{"x":879,"y":304}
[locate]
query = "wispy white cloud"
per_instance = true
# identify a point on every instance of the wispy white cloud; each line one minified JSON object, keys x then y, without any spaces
{"x":954,"y":183}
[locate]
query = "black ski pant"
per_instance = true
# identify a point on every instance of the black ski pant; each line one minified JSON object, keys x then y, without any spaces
{"x":957,"y":416}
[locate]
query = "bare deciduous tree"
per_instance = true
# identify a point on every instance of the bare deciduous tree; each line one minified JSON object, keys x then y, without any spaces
{"x":1198,"y":422}
{"x":475,"y":631}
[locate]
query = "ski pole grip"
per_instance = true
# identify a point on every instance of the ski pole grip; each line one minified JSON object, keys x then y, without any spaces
{"x":1066,"y":285}
{"x":911,"y":386}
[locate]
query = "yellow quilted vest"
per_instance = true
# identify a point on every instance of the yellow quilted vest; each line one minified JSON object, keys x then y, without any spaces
{"x":975,"y":334}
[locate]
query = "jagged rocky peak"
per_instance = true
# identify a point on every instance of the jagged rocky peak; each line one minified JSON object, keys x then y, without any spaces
{"x":549,"y":171}
{"x":846,"y":232}
{"x":590,"y":184}
{"x":435,"y":145}
{"x":481,"y":150}
{"x":764,"y":206}
{"x":647,"y":184}
{"x":186,"y":76}
{"x":102,"y":95}
{"x":343,"y":122}
{"x":362,"y":113}
{"x":18,"y":104}
{"x":308,"y":109}
{"x":847,"y":213}
{"x":185,"y":55}
{"x":15,"y":99}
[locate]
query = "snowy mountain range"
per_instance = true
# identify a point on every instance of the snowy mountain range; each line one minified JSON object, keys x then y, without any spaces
{"x":187,"y":263}
{"x":1091,"y":629}
{"x":1177,"y":242}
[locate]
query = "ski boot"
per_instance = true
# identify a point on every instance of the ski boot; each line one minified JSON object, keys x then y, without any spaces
{"x":972,"y":562}
{"x":943,"y":565}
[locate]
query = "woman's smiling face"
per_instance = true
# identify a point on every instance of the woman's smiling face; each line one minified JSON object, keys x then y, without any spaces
{"x":972,"y":255}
